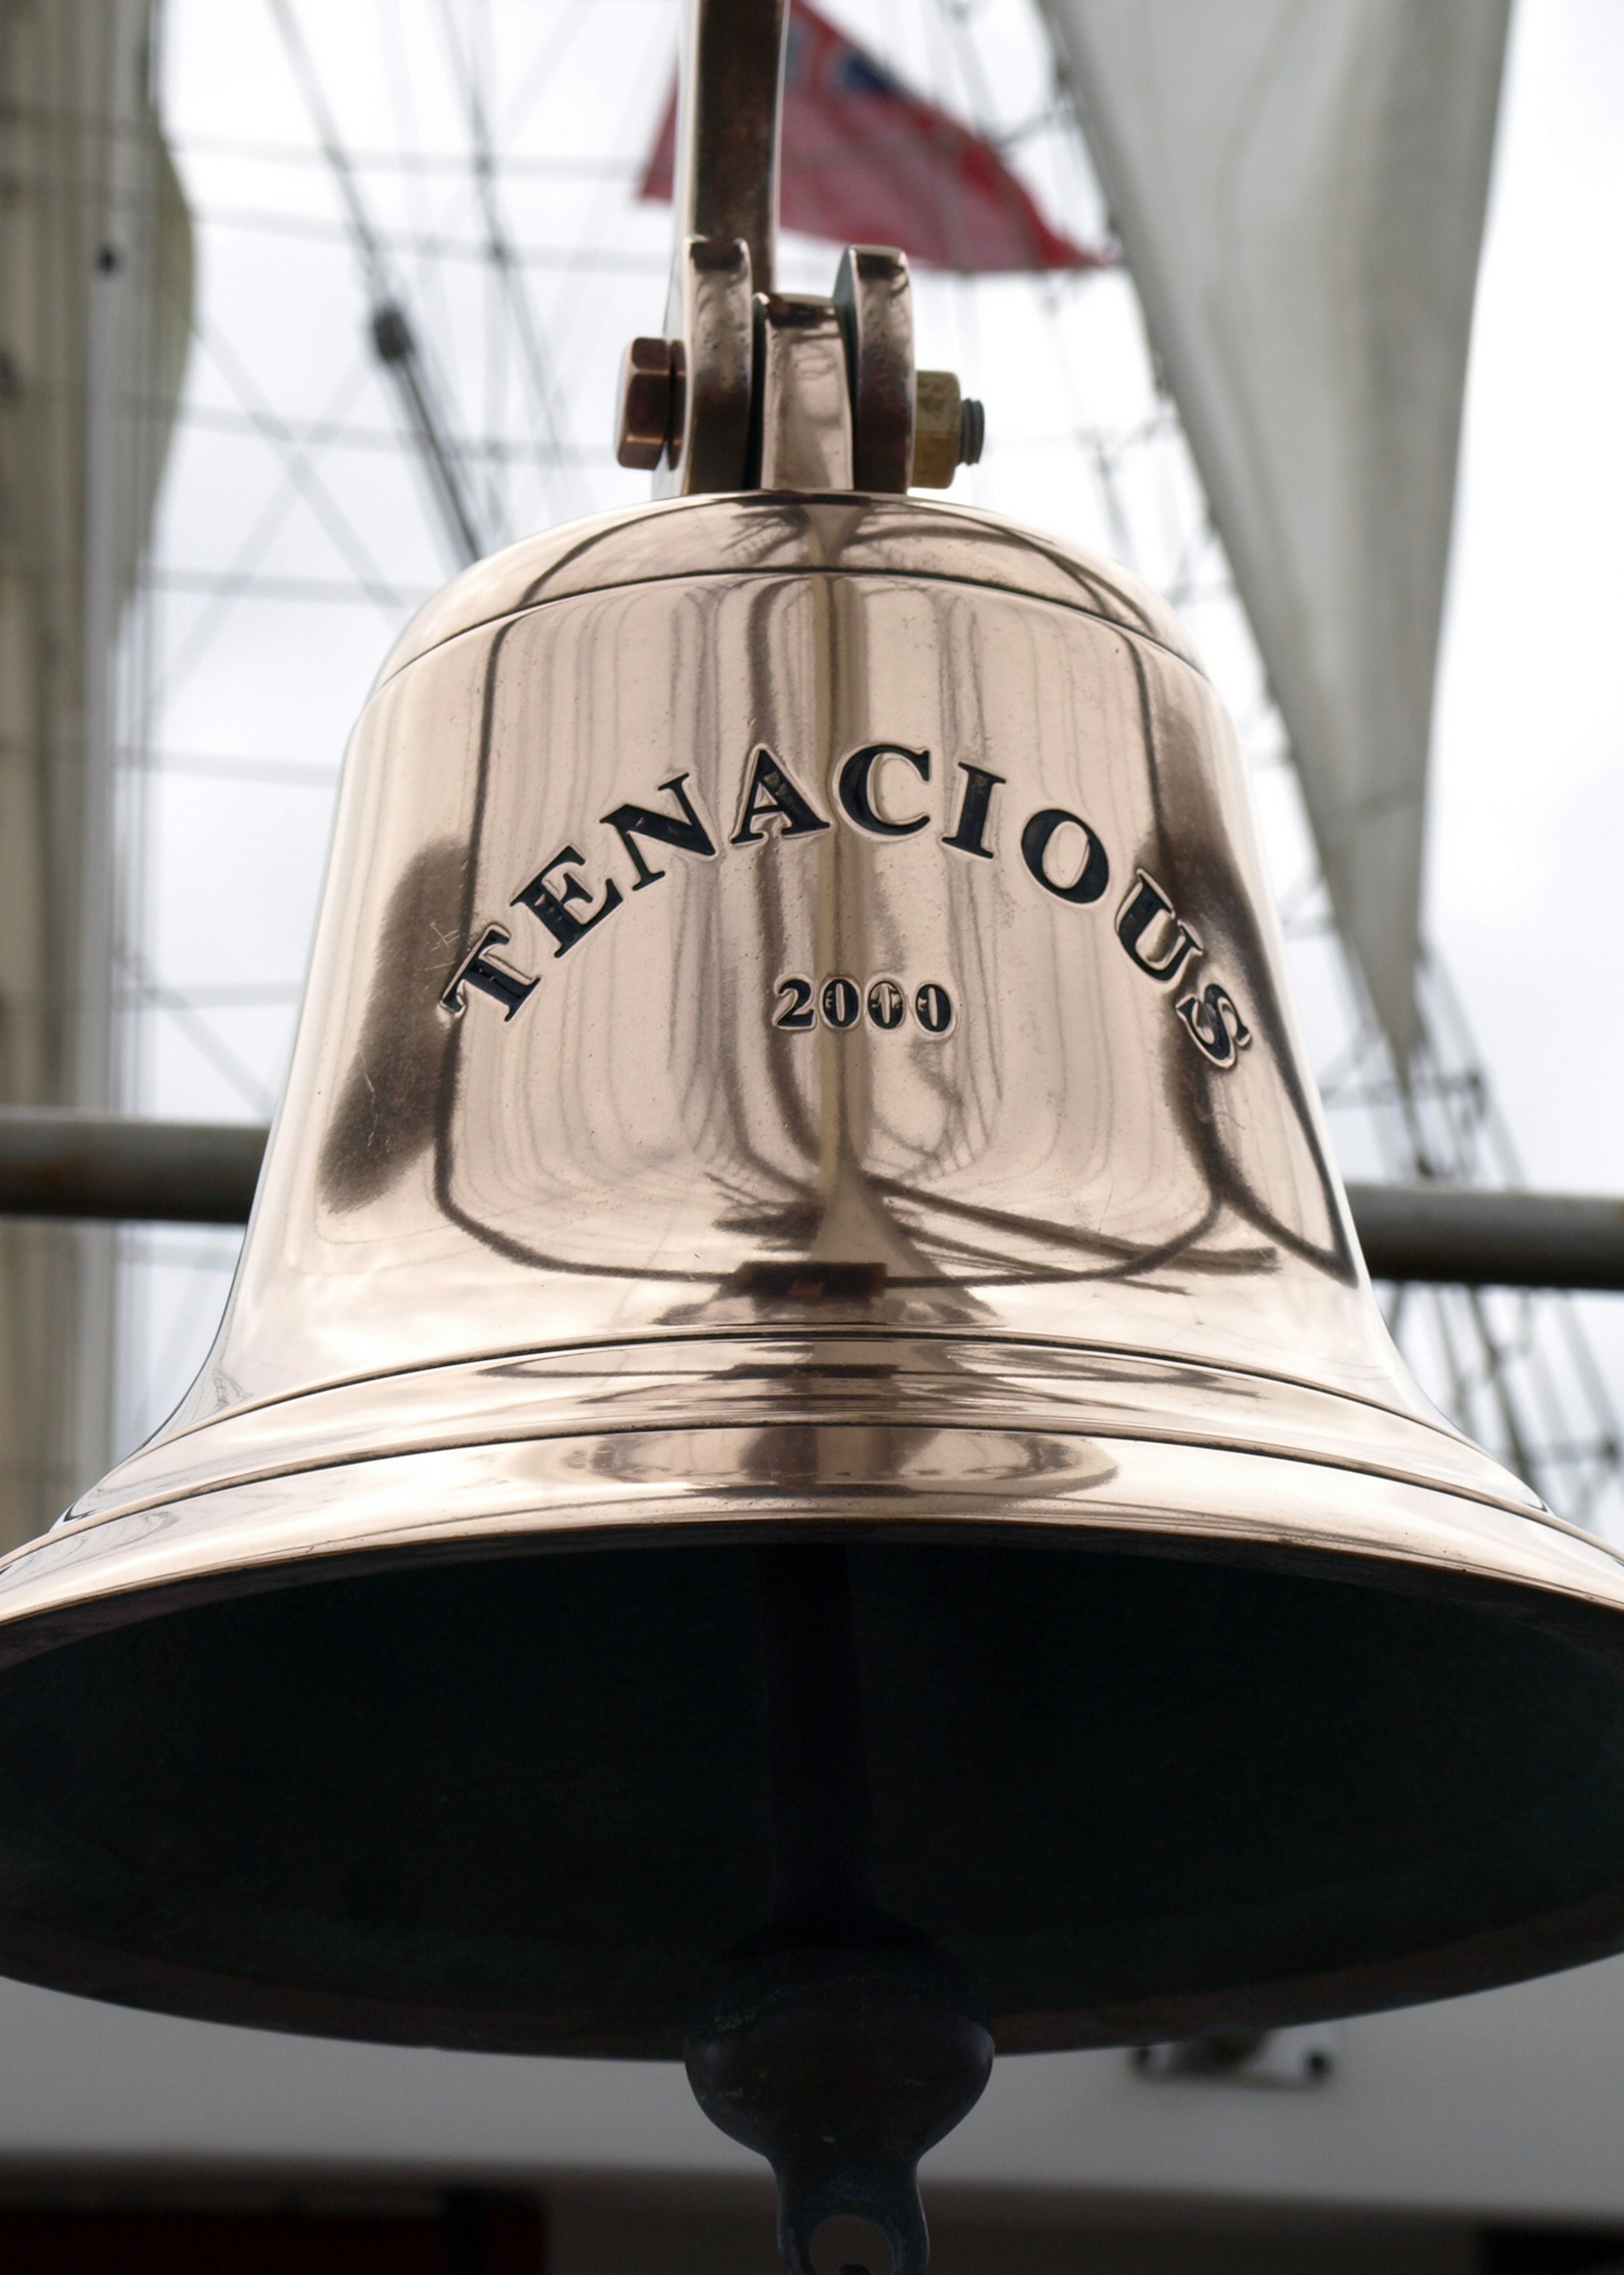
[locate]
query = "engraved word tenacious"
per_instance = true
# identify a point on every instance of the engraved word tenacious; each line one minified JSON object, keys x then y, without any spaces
{"x":1059,"y":849}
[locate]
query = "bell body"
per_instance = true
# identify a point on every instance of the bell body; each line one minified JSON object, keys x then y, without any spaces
{"x":946,"y":1021}
{"x":796,"y":1046}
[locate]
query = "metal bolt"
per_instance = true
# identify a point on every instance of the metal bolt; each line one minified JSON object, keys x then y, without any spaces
{"x":973,"y":431}
{"x":948,"y":430}
{"x":647,"y":400}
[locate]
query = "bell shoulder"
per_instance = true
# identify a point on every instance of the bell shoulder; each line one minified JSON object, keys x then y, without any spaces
{"x":776,"y":533}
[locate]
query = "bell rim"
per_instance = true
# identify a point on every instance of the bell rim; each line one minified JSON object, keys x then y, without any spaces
{"x":856,"y":1481}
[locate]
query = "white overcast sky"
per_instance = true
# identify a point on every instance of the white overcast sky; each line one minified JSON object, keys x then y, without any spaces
{"x":1528,"y":805}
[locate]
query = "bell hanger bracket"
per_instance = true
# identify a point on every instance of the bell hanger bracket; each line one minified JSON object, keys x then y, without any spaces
{"x":753,"y":388}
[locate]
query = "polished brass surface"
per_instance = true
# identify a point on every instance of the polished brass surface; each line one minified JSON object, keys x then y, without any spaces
{"x":1063,"y":1156}
{"x":63,"y":1162}
{"x":796,"y":1046}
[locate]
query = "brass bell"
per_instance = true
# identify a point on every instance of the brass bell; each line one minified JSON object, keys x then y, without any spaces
{"x":802,"y":1456}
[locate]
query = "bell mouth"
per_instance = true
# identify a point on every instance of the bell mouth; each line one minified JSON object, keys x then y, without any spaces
{"x":1159,"y":1737}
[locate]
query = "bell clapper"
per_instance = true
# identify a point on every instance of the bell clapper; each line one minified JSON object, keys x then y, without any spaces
{"x":836,"y":2042}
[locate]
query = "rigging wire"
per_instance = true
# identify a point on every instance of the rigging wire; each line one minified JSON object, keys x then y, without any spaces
{"x":394,"y":336}
{"x":502,"y":254}
{"x":300,"y":478}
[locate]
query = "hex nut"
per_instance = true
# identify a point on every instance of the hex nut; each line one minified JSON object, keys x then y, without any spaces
{"x":644,"y":424}
{"x":948,"y":430}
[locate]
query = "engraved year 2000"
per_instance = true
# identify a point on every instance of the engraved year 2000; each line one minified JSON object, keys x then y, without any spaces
{"x":842,"y":1002}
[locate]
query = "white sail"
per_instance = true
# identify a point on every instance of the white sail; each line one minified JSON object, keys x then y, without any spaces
{"x":1299,"y":187}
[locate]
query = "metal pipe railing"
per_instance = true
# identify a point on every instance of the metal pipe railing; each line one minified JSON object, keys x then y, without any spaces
{"x":1466,"y":1236}
{"x":61,"y":1164}
{"x":57,"y":1163}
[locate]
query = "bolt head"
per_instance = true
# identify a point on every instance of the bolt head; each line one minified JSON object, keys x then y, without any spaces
{"x":948,"y":430}
{"x":938,"y":419}
{"x":647,"y":395}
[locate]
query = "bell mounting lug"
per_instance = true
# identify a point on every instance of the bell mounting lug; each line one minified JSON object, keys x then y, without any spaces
{"x":729,"y":97}
{"x":755,"y":390}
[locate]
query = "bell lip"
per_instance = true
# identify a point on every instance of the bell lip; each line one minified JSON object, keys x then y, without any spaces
{"x":885,"y":536}
{"x":665,"y":1485}
{"x":1588,"y":1930}
{"x":32,"y":1633}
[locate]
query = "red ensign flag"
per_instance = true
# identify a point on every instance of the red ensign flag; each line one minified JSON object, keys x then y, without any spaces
{"x":865,"y":163}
